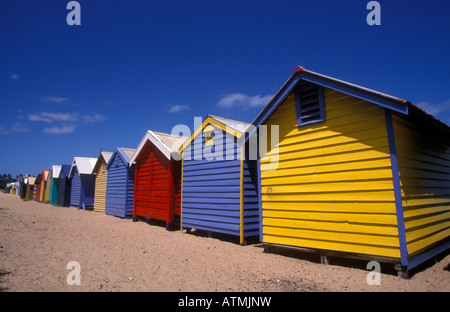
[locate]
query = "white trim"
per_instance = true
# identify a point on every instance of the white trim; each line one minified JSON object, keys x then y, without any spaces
{"x":87,"y":164}
{"x":155,"y":140}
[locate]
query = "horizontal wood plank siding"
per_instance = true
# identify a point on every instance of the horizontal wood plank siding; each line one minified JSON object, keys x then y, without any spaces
{"x":332,"y":188}
{"x":119,"y":188}
{"x":100,"y":187}
{"x":176,"y":176}
{"x":424,"y":168}
{"x":130,"y":191}
{"x":47,"y":190}
{"x":64,"y":187}
{"x":42,"y":190}
{"x":251,"y":208}
{"x":211,"y":188}
{"x":35,"y":191}
{"x":154,"y":196}
{"x":75,"y":192}
{"x":54,"y":182}
{"x":87,"y":191}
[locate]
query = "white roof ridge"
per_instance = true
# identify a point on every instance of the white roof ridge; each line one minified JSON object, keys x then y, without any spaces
{"x":155,"y":138}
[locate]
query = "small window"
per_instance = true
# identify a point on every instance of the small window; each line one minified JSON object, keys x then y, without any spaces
{"x":209,"y":135}
{"x":309,"y":104}
{"x":209,"y":138}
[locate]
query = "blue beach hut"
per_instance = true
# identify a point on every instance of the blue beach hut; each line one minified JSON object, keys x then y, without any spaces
{"x":82,"y":182}
{"x":120,"y":184}
{"x":219,"y":184}
{"x":63,"y":198}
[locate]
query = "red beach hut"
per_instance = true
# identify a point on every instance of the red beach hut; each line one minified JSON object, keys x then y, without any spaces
{"x":157,"y":191}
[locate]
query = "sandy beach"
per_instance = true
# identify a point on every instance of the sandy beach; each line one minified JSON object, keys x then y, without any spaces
{"x":38,"y":240}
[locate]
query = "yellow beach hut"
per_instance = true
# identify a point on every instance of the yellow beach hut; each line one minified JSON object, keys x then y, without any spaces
{"x":101,"y":174}
{"x":358,"y":173}
{"x":45,"y":186}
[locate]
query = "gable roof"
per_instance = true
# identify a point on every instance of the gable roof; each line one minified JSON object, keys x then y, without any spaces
{"x":128,"y":152}
{"x":168,"y":144}
{"x":65,"y":169}
{"x":45,"y":175}
{"x":234,"y":127}
{"x":106,"y":156}
{"x":56,"y":170}
{"x":124,"y":154}
{"x":302,"y":74}
{"x":84,"y":165}
{"x":234,"y":124}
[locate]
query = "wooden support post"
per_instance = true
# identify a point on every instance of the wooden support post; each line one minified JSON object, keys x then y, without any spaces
{"x":402,"y":271}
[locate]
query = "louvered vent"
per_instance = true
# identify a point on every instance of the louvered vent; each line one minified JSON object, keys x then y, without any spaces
{"x":309,"y":104}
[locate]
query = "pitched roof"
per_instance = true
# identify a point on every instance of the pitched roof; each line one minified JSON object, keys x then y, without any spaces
{"x":45,"y":175}
{"x":84,"y":165}
{"x":106,"y":156}
{"x":302,"y":74}
{"x":65,"y":169}
{"x":56,"y":170}
{"x":224,"y":123}
{"x":234,"y":124}
{"x":168,"y":144}
{"x":124,"y":154}
{"x":128,"y":152}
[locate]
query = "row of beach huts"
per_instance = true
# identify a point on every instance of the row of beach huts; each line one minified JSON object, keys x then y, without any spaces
{"x":354,"y":173}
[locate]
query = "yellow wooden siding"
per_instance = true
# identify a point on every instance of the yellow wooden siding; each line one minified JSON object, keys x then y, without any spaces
{"x":100,"y":189}
{"x":41,"y":191}
{"x":424,"y":168}
{"x":47,"y":190}
{"x":332,"y":188}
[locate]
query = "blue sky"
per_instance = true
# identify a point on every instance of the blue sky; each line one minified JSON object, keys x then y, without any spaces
{"x":130,"y":66}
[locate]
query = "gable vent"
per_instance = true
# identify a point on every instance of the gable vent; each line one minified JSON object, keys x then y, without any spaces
{"x":309,"y":104}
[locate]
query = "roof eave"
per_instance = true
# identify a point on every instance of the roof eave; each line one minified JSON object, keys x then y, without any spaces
{"x":121,"y":154}
{"x":150,"y":136}
{"x":379,"y":98}
{"x":300,"y":74}
{"x":215,"y":122}
{"x":98,"y":162}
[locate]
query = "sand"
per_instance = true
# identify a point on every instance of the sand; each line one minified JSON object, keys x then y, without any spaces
{"x":38,"y":240}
